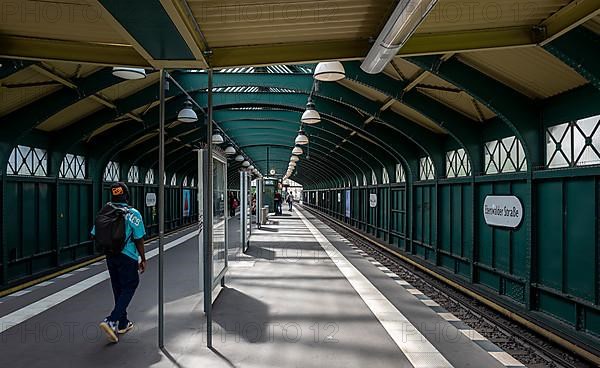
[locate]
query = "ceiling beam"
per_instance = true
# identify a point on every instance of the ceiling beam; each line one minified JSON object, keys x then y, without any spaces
{"x":288,"y":53}
{"x":570,"y":16}
{"x":21,"y":47}
{"x":466,"y":41}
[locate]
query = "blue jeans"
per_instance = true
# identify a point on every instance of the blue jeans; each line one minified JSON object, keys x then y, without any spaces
{"x":124,"y":279}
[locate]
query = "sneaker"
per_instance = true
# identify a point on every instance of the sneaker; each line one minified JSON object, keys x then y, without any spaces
{"x":110,"y":329}
{"x":127,"y":328}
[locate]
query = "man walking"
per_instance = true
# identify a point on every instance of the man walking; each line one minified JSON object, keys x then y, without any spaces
{"x":119,"y":231}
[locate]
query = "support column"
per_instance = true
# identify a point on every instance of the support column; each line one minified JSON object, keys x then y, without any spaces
{"x":161,"y":209}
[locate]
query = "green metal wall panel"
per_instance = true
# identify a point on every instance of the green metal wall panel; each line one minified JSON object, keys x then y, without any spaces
{"x":581,"y":242}
{"x":550,"y":238}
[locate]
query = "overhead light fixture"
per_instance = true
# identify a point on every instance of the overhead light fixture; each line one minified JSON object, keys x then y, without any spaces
{"x":129,"y":73}
{"x":245,"y":164}
{"x":297,"y":151}
{"x":239,"y":158}
{"x":272,"y":172}
{"x":187,"y":114}
{"x":217,"y":138}
{"x":310,"y":115}
{"x":405,"y":19}
{"x":294,"y":158}
{"x":251,"y":167}
{"x":301,"y":139}
{"x":329,"y":71}
{"x":230,"y":150}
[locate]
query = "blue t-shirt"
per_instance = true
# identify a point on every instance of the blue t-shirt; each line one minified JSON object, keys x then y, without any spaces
{"x":134,"y":230}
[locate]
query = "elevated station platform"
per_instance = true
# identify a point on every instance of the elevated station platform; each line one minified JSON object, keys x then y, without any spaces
{"x":302,"y":296}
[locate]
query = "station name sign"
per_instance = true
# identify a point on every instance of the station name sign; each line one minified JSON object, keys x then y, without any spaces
{"x":503,"y":211}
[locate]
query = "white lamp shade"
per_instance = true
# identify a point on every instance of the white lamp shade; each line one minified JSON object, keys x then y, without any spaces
{"x":294,"y":158}
{"x":187,"y":116}
{"x":245,"y":164}
{"x":239,"y":158}
{"x":129,"y":73}
{"x":329,"y":71}
{"x":230,"y":150}
{"x":311,"y":116}
{"x":217,"y":138}
{"x":251,"y":167}
{"x":301,"y":139}
{"x":297,"y":151}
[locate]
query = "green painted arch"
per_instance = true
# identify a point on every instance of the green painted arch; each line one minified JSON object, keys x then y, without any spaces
{"x":137,"y":153}
{"x":330,"y":130}
{"x":289,"y":142}
{"x":298,"y":105}
{"x":323,"y":156}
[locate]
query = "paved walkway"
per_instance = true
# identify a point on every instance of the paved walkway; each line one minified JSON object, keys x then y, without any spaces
{"x":300,"y":297}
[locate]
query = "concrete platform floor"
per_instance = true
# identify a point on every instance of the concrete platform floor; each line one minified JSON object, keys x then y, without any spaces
{"x":300,"y":297}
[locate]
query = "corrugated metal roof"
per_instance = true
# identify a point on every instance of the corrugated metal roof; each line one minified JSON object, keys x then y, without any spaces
{"x":88,"y":106}
{"x":364,"y":90}
{"x":451,"y":15}
{"x":71,"y":114}
{"x":70,"y":20}
{"x":593,"y":24}
{"x":416,"y":117}
{"x":249,"y":22}
{"x":529,"y":70}
{"x":451,"y":96}
{"x":13,"y":98}
{"x":407,"y":70}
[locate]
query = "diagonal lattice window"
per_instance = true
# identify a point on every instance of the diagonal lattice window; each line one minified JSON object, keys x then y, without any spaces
{"x":72,"y":167}
{"x":457,"y":164}
{"x":25,"y":160}
{"x":365,"y":182}
{"x":174,"y":180}
{"x":373,"y":178}
{"x":133,"y":176}
{"x":426,"y":169}
{"x":385,"y":177}
{"x":185,"y":182}
{"x":193,"y":183}
{"x":504,"y":156}
{"x":573,"y":144}
{"x":149,"y":179}
{"x":111,"y":172}
{"x":400,"y":176}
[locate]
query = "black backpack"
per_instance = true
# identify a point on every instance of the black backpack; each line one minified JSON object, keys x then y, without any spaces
{"x":110,"y":229}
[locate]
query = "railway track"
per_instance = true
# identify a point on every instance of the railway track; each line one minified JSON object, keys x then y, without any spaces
{"x":528,"y":347}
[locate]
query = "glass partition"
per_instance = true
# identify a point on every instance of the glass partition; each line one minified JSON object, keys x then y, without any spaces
{"x":219,"y":255}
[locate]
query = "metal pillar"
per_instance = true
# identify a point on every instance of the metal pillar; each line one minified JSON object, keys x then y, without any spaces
{"x":201,"y":217}
{"x":208,"y":216}
{"x":161,"y":209}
